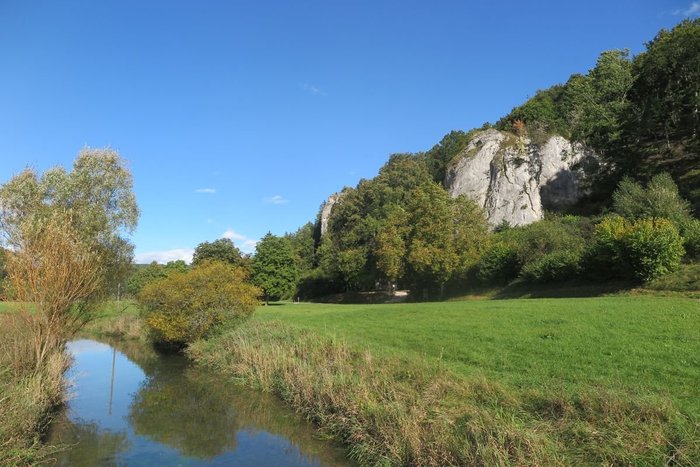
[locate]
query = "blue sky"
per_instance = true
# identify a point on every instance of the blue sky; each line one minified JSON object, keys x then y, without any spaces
{"x":240,"y":117}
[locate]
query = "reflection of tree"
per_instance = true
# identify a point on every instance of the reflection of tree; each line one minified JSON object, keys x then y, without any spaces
{"x":199,"y":413}
{"x":96,"y":447}
{"x":185,"y":413}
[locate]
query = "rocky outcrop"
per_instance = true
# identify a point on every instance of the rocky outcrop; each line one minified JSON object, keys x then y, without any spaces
{"x":515,"y":180}
{"x":326,"y":211}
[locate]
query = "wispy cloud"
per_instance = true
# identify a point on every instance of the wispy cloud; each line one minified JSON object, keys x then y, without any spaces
{"x":277,"y":199}
{"x":245,"y":244}
{"x":205,"y":190}
{"x":164,"y":256}
{"x":692,"y":10}
{"x":312,"y":89}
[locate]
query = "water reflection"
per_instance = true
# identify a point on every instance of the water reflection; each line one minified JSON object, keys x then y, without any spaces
{"x":132,"y":406}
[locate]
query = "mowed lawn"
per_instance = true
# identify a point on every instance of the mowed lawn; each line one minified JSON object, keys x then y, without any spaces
{"x":644,"y":346}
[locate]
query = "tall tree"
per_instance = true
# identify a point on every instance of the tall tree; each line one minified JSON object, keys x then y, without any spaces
{"x":661,"y":130}
{"x":96,"y":198}
{"x":274,"y":267}
{"x":303,"y":243}
{"x":222,"y":249}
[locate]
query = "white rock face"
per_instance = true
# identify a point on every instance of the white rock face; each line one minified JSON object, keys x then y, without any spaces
{"x":326,"y":211}
{"x":515,"y":180}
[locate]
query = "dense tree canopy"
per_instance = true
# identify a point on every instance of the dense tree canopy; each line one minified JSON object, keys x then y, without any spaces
{"x":222,"y":249}
{"x":275,"y":267}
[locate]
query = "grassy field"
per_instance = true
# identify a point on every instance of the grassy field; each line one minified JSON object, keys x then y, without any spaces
{"x":641,"y":345}
{"x":575,"y":381}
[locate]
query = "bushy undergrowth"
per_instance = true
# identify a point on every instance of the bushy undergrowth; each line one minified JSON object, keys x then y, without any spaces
{"x":29,"y":391}
{"x":187,"y":306}
{"x":642,"y":250}
{"x":410,"y":411}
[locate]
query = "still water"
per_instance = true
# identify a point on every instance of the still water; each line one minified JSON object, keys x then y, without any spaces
{"x":130,"y":405}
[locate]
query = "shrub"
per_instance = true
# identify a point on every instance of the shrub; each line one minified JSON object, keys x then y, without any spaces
{"x":652,"y":247}
{"x":317,"y":284}
{"x":640,"y":250}
{"x":499,"y":265}
{"x":553,"y":267}
{"x":187,"y":306}
{"x":691,"y":238}
{"x":660,"y":199}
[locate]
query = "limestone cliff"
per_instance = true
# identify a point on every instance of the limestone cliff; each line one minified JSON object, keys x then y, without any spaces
{"x":514,"y":179}
{"x":326,"y":211}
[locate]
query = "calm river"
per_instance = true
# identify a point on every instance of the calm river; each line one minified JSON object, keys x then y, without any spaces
{"x":132,"y":406}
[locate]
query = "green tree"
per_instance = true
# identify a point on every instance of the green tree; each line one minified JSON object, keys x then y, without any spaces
{"x":661,"y":128}
{"x":659,"y":199}
{"x":349,"y":250}
{"x":303,"y":243}
{"x":144,"y":275}
{"x":96,"y":196}
{"x":597,"y":102}
{"x":274,"y":267}
{"x":431,"y":257}
{"x":222,"y":249}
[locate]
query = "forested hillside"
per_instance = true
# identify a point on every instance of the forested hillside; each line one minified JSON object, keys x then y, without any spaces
{"x":640,"y":115}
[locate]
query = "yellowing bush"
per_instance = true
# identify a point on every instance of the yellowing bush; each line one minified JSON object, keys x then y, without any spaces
{"x":642,"y":249}
{"x":187,"y":306}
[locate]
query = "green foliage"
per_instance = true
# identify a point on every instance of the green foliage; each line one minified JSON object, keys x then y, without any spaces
{"x":543,"y":112}
{"x":3,"y":269}
{"x":553,"y":267}
{"x":653,"y":247}
{"x":440,"y":156}
{"x":274,"y":267}
{"x":186,"y":306}
{"x":97,"y":194}
{"x":663,"y":123}
{"x":316,"y":283}
{"x":433,"y":240}
{"x":152,"y":272}
{"x":303,"y":243}
{"x":222,"y":249}
{"x":499,"y":264}
{"x":660,"y":199}
{"x":538,"y":396}
{"x":347,"y":251}
{"x":691,"y":238}
{"x":642,"y":250}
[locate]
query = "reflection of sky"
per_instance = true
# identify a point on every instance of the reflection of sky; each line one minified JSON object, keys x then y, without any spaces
{"x":91,"y":376}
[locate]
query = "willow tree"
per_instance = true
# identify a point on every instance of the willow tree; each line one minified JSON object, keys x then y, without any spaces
{"x":65,"y":236}
{"x":96,"y":198}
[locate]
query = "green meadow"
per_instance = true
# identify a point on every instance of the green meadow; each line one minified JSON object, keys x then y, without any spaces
{"x":642,"y":345}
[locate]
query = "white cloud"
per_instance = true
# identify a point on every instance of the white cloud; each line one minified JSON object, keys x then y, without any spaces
{"x":692,"y":10}
{"x":311,"y":89}
{"x":245,"y":244}
{"x":164,"y":256}
{"x":205,"y":190}
{"x":277,"y":199}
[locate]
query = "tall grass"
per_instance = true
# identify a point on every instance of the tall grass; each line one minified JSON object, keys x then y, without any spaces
{"x":30,"y":389}
{"x":412,"y":411}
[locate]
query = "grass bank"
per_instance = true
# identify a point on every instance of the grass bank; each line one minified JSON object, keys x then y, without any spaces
{"x":29,"y":392}
{"x":116,"y":320}
{"x":551,"y":382}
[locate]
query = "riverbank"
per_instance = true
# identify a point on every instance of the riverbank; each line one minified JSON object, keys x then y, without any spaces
{"x":573,"y":381}
{"x":29,"y":393}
